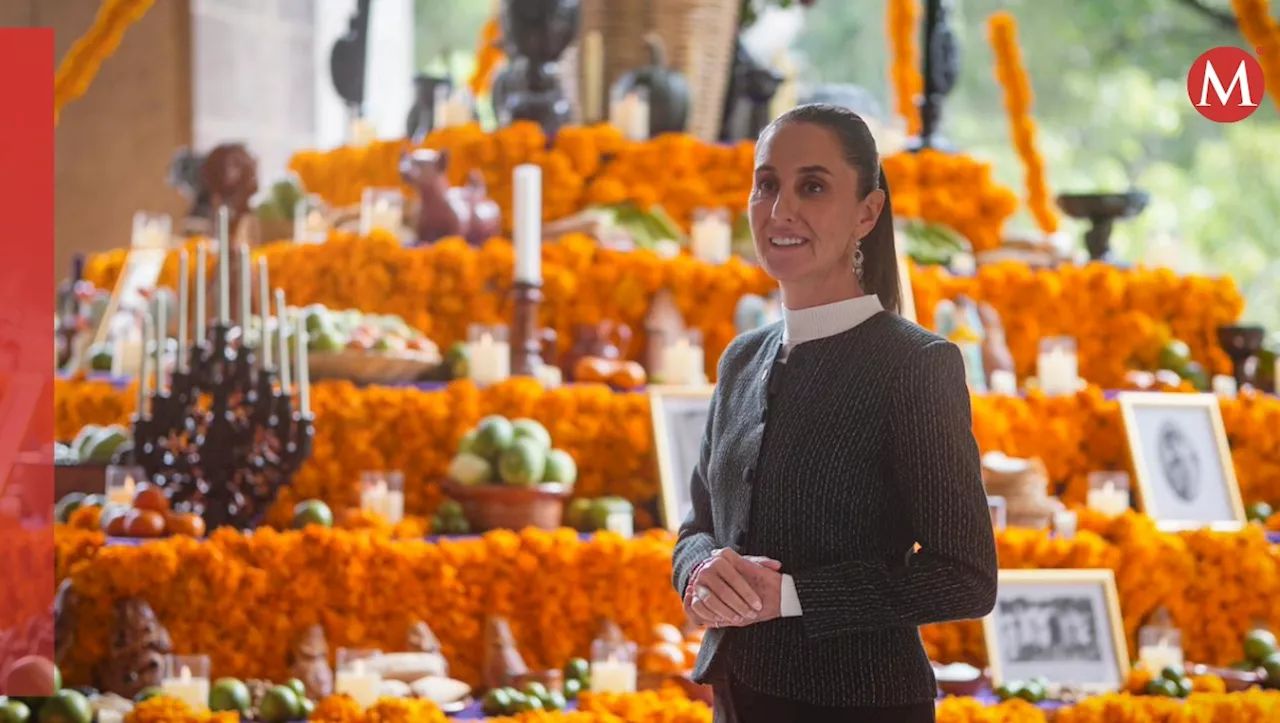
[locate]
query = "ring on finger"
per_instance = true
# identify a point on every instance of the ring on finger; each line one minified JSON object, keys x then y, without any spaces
{"x":702,"y":592}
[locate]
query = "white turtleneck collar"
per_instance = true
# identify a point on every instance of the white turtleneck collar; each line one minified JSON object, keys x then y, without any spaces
{"x":819,"y":322}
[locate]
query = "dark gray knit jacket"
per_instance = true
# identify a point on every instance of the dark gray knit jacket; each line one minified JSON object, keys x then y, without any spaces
{"x":865,"y":449}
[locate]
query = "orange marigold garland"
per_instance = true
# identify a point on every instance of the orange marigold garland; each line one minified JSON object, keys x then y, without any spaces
{"x":1012,"y":74}
{"x":80,"y":65}
{"x":1262,"y":32}
{"x":903,"y":18}
{"x":488,"y":57}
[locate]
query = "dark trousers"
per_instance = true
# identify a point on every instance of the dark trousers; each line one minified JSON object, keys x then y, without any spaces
{"x":735,"y":703}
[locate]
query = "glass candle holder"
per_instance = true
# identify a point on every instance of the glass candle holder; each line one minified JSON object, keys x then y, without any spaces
{"x":1225,"y":386}
{"x":122,"y":484}
{"x":1003,"y":383}
{"x":355,"y":675}
{"x":1064,"y":523}
{"x":186,"y":677}
{"x":488,"y":354}
{"x":1160,"y":647}
{"x":152,"y":230}
{"x":382,"y":493}
{"x":629,"y":112}
{"x":1109,"y":493}
{"x":613,"y":666}
{"x":711,"y":236}
{"x":683,"y":360}
{"x":1057,"y":366}
{"x":309,"y":225}
{"x":381,"y":209}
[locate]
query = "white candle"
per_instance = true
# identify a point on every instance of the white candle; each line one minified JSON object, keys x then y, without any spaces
{"x":711,"y":239}
{"x":1064,"y":523}
{"x":593,"y":76}
{"x":384,"y":502}
{"x":224,"y":266}
{"x":202,"y":285}
{"x":161,"y":336}
{"x":183,"y":292}
{"x":1004,"y":383}
{"x":362,"y":685}
{"x":1159,"y":656}
{"x":264,"y":306}
{"x":124,"y":494}
{"x":281,"y":328}
{"x":439,"y":109}
{"x":1057,"y":371}
{"x":489,"y":361}
{"x":963,"y":264}
{"x":638,"y":116}
{"x":304,"y":373}
{"x":527,"y":223}
{"x":1225,"y":386}
{"x":246,"y":291}
{"x":611,"y":676}
{"x":192,"y":691}
{"x":1108,"y":499}
{"x":144,"y":374}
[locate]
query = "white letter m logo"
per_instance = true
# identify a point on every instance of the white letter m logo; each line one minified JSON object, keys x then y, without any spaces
{"x":1241,"y":78}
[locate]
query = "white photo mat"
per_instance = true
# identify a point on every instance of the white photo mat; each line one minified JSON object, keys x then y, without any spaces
{"x":679,"y":417}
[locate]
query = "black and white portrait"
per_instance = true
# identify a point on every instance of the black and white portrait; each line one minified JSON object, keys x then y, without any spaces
{"x":1182,"y":464}
{"x":1063,"y":625}
{"x":679,"y":420}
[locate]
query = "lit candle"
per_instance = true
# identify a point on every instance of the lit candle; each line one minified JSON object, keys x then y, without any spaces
{"x":281,"y":329}
{"x":144,"y":373}
{"x":304,"y":373}
{"x":194,"y":691}
{"x":184,"y":286}
{"x":1225,"y":386}
{"x":711,"y":239}
{"x":124,"y":494}
{"x":638,"y":115}
{"x":264,"y":306}
{"x":1064,"y":523}
{"x":161,"y":336}
{"x":593,"y":76}
{"x":1160,"y":655}
{"x":527,"y":223}
{"x":489,"y":361}
{"x":613,"y":676}
{"x":1057,"y":369}
{"x":364,"y":686}
{"x":1108,"y":499}
{"x":201,"y":285}
{"x":439,"y":109}
{"x":246,"y":291}
{"x":224,"y":266}
{"x":1004,"y":383}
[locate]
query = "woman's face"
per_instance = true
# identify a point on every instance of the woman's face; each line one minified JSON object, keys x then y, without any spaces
{"x":805,"y":212}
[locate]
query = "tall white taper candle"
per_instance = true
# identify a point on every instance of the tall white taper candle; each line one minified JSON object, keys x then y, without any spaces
{"x":527,"y":223}
{"x":224,"y":266}
{"x":162,"y":335}
{"x":264,"y":303}
{"x":304,"y":374}
{"x":282,"y":325}
{"x":184,"y":290}
{"x":246,"y":291}
{"x":202,"y":286}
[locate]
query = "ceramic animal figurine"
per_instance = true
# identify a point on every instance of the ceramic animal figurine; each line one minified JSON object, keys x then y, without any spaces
{"x":309,"y":662}
{"x":503,"y":663}
{"x":443,"y":211}
{"x":136,"y":652}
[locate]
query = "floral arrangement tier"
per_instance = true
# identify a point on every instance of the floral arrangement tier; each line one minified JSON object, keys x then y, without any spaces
{"x":610,"y":435}
{"x":240,"y":598}
{"x":1121,"y":319}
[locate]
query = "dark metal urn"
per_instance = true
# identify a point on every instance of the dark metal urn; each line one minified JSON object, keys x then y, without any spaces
{"x":1102,"y":210}
{"x":1243,"y":343}
{"x":535,"y":33}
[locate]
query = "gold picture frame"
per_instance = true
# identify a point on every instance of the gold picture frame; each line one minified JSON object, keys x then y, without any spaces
{"x":1117,"y":653}
{"x":1131,"y":405}
{"x":908,"y":298}
{"x":142,"y":268}
{"x":670,"y":453}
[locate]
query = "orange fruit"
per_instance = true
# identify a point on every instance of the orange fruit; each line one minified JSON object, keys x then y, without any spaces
{"x":151,"y":498}
{"x":144,"y":523}
{"x":185,"y":523}
{"x":628,"y":375}
{"x":662,"y":659}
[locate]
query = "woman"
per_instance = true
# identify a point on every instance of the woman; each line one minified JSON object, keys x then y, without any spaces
{"x":838,"y":502}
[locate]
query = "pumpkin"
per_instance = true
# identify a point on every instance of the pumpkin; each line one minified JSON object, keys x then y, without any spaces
{"x":667,"y":89}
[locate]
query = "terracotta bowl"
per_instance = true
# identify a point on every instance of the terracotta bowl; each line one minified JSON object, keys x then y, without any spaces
{"x":497,"y":506}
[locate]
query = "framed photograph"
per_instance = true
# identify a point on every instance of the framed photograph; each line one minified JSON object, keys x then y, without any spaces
{"x":142,"y":268}
{"x":679,"y":420}
{"x":1182,"y":465}
{"x":908,"y":309}
{"x":1061,"y":625}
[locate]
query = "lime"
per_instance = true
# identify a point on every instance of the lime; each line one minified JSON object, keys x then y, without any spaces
{"x":554,"y":700}
{"x":1163,"y":688}
{"x":529,"y":704}
{"x":14,"y":711}
{"x":1185,"y":687}
{"x":1257,"y":512}
{"x":575,"y":514}
{"x":449,"y":509}
{"x":1009,"y":690}
{"x":534,"y":689}
{"x":1173,"y":672}
{"x":1271,"y":666}
{"x":298,"y":687}
{"x":577,"y":669}
{"x":312,"y":512}
{"x":147,"y":693}
{"x":496,"y":702}
{"x":1247,"y":666}
{"x":68,"y":504}
{"x":572,"y":686}
{"x":1032,"y":692}
{"x":1258,"y":644}
{"x":229,"y":694}
{"x":280,"y":704}
{"x":66,"y":706}
{"x":308,"y":707}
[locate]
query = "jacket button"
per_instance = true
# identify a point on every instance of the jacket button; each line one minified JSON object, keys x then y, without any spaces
{"x":748,"y":475}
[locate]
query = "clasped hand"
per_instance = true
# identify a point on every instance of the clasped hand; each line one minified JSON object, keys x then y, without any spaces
{"x":733,"y":590}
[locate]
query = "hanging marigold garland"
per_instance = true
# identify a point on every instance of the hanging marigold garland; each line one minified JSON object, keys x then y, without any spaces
{"x":488,"y":57}
{"x":1002,"y":30}
{"x":903,"y":17}
{"x":80,"y":65}
{"x":1262,"y":32}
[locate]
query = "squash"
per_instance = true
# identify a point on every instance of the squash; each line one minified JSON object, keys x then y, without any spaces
{"x":667,"y":89}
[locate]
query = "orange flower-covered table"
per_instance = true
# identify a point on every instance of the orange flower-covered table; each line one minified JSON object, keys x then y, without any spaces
{"x":1121,"y":319}
{"x":609,"y":434}
{"x":243,"y":599}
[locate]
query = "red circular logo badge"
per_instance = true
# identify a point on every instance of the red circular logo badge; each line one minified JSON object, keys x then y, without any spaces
{"x":1225,"y":85}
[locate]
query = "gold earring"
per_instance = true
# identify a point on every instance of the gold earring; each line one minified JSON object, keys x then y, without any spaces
{"x":857,"y":260}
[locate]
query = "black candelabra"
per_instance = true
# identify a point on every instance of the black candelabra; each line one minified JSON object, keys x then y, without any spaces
{"x":223,"y":436}
{"x":941,"y":69}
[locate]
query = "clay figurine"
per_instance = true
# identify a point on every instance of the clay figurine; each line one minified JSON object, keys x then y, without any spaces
{"x":465,"y":211}
{"x":420,"y":639}
{"x":503,"y":664}
{"x":309,"y":662}
{"x":137,"y":650}
{"x":226,"y":175}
